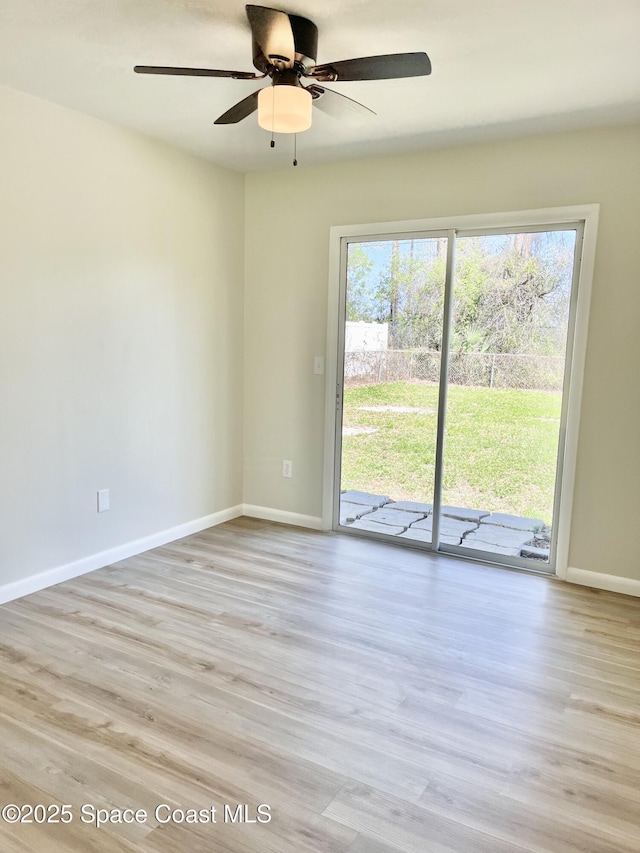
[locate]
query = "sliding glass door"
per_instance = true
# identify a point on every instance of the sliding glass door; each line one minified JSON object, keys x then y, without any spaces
{"x":391,"y":370}
{"x":453,"y":366}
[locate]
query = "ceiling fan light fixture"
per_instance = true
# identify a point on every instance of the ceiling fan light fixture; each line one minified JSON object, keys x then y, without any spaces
{"x":284,"y":109}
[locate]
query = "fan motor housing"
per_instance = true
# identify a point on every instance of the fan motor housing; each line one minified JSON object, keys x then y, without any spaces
{"x":305,"y":38}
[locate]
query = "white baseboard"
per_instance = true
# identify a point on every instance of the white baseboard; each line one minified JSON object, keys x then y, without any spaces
{"x":18,"y":589}
{"x":51,"y":577}
{"x":294,"y":518}
{"x":599,"y":580}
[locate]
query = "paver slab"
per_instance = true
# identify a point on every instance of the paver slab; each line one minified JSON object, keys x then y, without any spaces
{"x":349,"y":512}
{"x":451,"y":540}
{"x":448,"y":526}
{"x":385,"y":515}
{"x":411,"y":506}
{"x":464,"y":514}
{"x":535,"y":553}
{"x":421,"y":535}
{"x":517,"y":522}
{"x":492,"y":549}
{"x":416,"y":534}
{"x":366,"y":498}
{"x":387,"y":529}
{"x":501,"y":536}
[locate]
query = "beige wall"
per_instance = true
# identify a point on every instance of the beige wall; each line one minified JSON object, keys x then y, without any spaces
{"x":121,"y":273}
{"x":288,"y":216}
{"x":121,"y":325}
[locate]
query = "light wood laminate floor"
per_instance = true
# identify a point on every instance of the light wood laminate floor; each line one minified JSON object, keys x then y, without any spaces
{"x":377,"y":699}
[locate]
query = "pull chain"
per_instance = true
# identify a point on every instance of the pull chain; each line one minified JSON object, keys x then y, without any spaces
{"x":295,"y":149}
{"x":273,"y":115}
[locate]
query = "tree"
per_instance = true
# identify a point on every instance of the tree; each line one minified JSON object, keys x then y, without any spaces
{"x":510,"y":294}
{"x":359,"y":266}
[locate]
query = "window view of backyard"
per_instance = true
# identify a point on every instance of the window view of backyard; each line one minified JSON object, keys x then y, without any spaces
{"x":510,"y":314}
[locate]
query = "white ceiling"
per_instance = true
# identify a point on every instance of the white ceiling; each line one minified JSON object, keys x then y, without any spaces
{"x":500,"y":68}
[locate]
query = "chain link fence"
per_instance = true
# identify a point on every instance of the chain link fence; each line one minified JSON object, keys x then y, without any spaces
{"x":480,"y":369}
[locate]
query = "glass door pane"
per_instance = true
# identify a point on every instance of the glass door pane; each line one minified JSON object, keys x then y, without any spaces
{"x":510,"y":322}
{"x":391,"y":369}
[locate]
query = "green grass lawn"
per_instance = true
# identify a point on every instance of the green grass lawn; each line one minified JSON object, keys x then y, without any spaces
{"x":500,"y":447}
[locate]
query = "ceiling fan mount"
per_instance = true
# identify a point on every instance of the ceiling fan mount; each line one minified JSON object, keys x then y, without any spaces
{"x":285,"y":49}
{"x":274,"y":30}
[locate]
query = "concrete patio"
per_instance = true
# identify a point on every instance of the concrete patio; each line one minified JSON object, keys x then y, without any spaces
{"x":480,"y":530}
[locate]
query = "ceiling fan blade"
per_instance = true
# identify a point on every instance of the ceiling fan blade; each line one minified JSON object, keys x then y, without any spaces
{"x":338,"y":105}
{"x":240,"y":110}
{"x":195,"y":72}
{"x":388,"y":67}
{"x":272,"y":33}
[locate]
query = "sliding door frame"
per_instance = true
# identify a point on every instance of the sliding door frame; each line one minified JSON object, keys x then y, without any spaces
{"x":586,"y":218}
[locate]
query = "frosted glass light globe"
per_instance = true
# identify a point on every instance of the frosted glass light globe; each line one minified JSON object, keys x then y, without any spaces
{"x":284,"y":109}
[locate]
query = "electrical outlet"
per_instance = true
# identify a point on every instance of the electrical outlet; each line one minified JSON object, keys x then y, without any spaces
{"x":318,"y":365}
{"x":103,"y":500}
{"x":287,"y":468}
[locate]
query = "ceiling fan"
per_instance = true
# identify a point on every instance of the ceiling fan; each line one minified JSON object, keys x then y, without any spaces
{"x":285,"y":50}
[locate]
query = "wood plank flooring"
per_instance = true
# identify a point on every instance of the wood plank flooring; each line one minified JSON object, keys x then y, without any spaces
{"x":377,"y":699}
